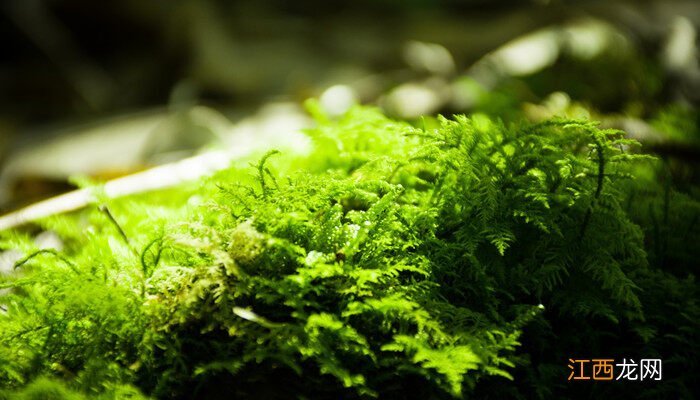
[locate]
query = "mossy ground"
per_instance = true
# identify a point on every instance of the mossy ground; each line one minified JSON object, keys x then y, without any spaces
{"x":468,"y":258}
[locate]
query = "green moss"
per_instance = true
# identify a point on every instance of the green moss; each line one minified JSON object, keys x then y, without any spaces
{"x":391,"y":262}
{"x":46,"y":389}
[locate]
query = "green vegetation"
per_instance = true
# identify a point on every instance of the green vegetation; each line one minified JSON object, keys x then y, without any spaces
{"x":462,"y":258}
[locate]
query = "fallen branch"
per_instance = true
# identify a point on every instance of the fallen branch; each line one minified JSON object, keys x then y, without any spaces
{"x":160,"y":177}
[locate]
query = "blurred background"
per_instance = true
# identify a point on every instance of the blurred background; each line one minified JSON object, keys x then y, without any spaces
{"x":103,"y":89}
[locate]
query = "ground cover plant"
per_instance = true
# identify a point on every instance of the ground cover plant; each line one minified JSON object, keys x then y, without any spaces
{"x":458,"y":258}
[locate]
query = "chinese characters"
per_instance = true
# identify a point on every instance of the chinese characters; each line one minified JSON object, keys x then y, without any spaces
{"x":605,"y":369}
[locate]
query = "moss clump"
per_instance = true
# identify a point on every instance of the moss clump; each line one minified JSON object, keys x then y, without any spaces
{"x":392,"y":262}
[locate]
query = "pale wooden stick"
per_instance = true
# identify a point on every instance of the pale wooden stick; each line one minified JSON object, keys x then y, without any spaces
{"x":160,"y":177}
